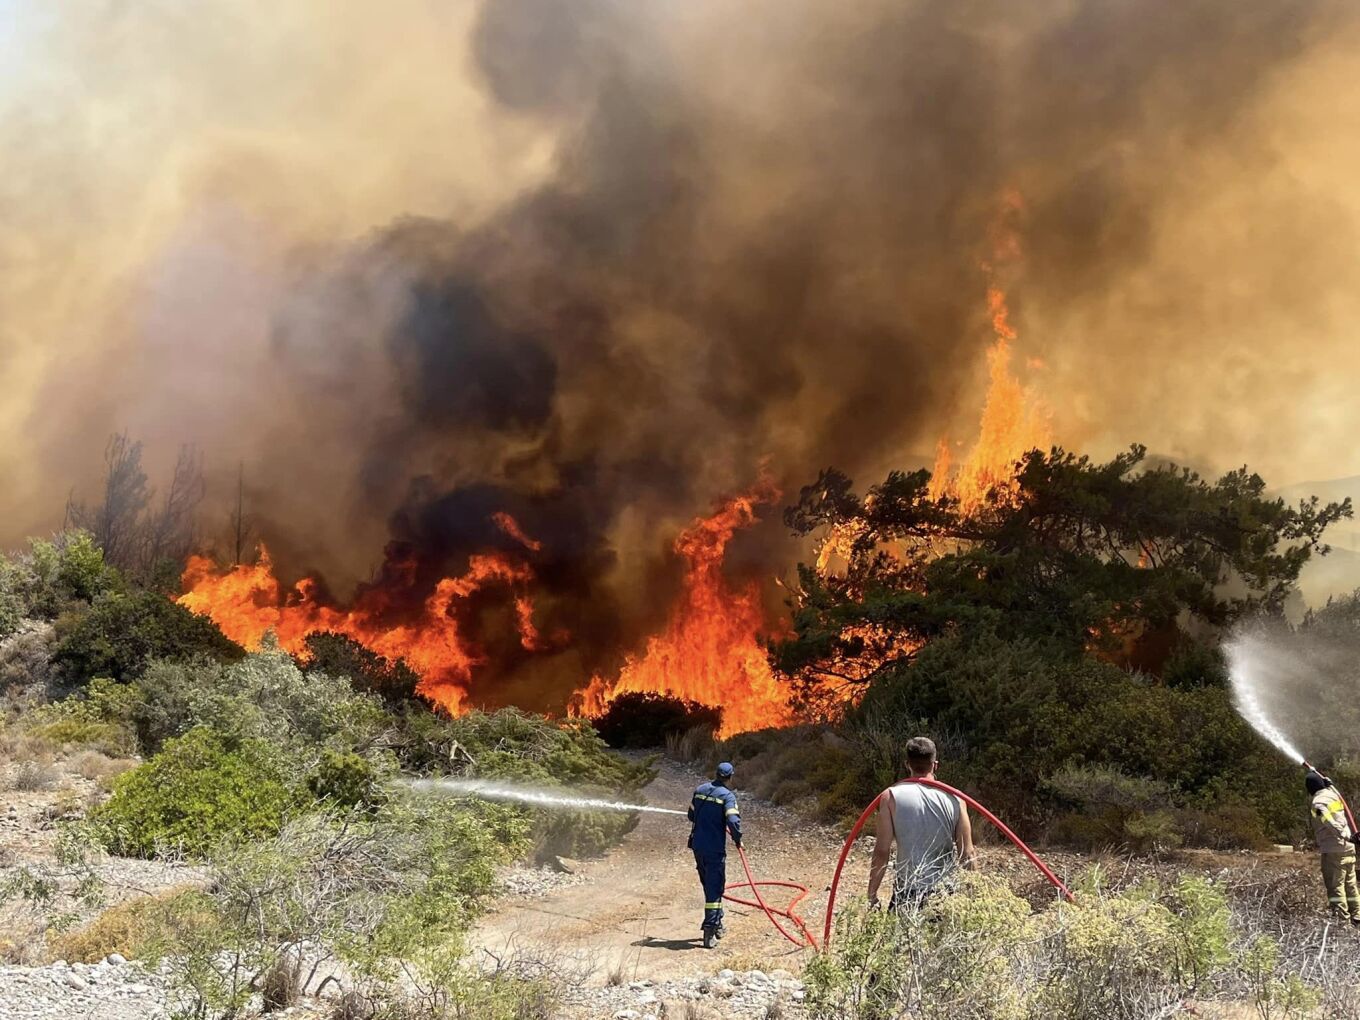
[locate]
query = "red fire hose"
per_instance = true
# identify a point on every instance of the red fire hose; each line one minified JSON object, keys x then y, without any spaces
{"x":1001,"y":826}
{"x":770,"y":912}
{"x":801,"y":891}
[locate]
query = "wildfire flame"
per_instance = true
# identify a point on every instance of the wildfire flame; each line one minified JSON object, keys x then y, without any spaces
{"x":1013,"y":421}
{"x":248,"y":602}
{"x":710,"y":651}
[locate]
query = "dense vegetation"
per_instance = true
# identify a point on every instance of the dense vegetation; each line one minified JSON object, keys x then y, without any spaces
{"x":1060,"y":641}
{"x":284,"y":780}
{"x":1148,"y":950}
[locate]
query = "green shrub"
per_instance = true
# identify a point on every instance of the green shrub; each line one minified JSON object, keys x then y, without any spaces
{"x":121,"y":633}
{"x":1103,"y":807}
{"x":264,"y":696}
{"x":345,"y":779}
{"x":810,"y":766}
{"x":106,"y":737}
{"x":1030,"y":709}
{"x":639,"y":719}
{"x":369,"y":673}
{"x":982,"y":953}
{"x":511,"y":745}
{"x":52,"y":576}
{"x":12,"y":606}
{"x":99,"y":717}
{"x":389,"y":894}
{"x":193,"y":794}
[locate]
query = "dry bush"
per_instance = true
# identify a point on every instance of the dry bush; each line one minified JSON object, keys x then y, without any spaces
{"x":281,"y":986}
{"x":18,"y":745}
{"x":134,"y":929}
{"x":20,"y":937}
{"x":33,"y":776}
{"x":693,"y":744}
{"x":99,"y":767}
{"x":352,"y":1006}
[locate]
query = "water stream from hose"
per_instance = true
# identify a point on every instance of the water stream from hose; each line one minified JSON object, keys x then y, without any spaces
{"x":537,"y":796}
{"x":1250,"y":674}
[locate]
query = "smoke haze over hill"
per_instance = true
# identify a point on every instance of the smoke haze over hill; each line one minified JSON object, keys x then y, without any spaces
{"x":594,"y":264}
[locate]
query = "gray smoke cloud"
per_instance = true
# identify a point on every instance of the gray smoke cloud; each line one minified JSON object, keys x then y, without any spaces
{"x":595,"y":263}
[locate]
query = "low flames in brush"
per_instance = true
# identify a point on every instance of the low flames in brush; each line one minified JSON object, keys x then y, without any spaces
{"x":711,"y":652}
{"x":248,"y":603}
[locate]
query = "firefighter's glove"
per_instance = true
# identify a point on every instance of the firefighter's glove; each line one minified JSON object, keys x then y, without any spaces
{"x":736,"y":840}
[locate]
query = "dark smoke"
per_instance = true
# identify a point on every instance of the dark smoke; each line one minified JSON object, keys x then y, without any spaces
{"x":761,"y":241}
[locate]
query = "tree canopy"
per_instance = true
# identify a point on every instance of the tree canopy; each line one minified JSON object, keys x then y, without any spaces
{"x":1075,"y":552}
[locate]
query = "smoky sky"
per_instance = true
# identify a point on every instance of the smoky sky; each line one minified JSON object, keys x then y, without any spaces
{"x":597,"y":263}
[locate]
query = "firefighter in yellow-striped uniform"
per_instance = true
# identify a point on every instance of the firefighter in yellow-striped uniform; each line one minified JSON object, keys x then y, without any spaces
{"x":1336,"y":844}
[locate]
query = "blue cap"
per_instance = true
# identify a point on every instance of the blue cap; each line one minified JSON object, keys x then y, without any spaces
{"x":725,"y":770}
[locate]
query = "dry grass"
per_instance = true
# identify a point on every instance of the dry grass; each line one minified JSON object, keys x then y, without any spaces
{"x":32,"y":776}
{"x":281,"y":987}
{"x":99,"y":767}
{"x":132,"y":929}
{"x":352,"y":1006}
{"x":695,"y":744}
{"x":20,"y":937}
{"x":18,"y":745}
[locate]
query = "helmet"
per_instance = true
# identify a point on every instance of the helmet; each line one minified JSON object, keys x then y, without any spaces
{"x":725,"y":770}
{"x":1315,"y":781}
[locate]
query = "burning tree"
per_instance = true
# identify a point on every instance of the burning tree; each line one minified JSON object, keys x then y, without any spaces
{"x":1090,"y":556}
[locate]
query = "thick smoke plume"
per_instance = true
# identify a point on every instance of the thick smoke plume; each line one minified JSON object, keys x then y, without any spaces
{"x":594,"y":263}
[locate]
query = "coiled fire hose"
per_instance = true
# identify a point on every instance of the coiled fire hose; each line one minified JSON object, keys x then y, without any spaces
{"x":801,"y":890}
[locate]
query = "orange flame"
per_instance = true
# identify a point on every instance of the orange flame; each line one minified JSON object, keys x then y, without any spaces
{"x":248,"y":602}
{"x":1013,"y":421}
{"x":511,"y":527}
{"x":710,"y":651}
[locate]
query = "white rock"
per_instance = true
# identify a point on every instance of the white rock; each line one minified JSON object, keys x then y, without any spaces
{"x":627,"y":1014}
{"x":637,"y":986}
{"x":116,"y":959}
{"x":758,"y":977}
{"x":59,"y":964}
{"x":726,"y":975}
{"x":798,"y":995}
{"x":75,"y":981}
{"x":647,"y":998}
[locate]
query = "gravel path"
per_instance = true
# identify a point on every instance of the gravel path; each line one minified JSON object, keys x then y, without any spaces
{"x":628,"y":927}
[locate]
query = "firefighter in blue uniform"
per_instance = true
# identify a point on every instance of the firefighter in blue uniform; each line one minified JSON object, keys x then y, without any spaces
{"x":713,"y":814}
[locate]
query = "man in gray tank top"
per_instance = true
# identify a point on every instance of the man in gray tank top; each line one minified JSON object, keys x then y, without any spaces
{"x":929,"y":828}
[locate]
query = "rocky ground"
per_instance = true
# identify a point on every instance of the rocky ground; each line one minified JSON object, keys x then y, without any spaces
{"x":727,"y":993}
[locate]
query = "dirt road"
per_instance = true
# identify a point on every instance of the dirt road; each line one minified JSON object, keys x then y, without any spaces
{"x":639,"y":908}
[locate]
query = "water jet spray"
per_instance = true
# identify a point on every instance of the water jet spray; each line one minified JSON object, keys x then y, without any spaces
{"x":537,"y":796}
{"x":1246,"y":674}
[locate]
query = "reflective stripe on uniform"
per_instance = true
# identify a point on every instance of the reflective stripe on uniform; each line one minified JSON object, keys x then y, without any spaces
{"x":732,"y":811}
{"x":1329,"y":811}
{"x":713,"y":906}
